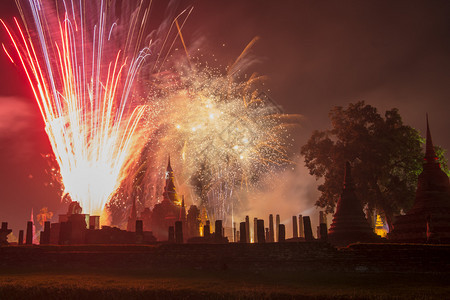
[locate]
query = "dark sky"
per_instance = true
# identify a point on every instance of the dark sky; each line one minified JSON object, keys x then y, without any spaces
{"x":316,"y":54}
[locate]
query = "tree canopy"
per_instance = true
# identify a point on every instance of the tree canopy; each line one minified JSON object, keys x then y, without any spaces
{"x":385,"y":154}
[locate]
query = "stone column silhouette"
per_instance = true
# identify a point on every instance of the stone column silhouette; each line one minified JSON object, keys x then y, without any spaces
{"x":255,"y":230}
{"x":242,"y":232}
{"x":207,"y":230}
{"x":45,"y":239}
{"x":294,"y":227}
{"x":271,"y":231}
{"x":29,"y":238}
{"x":20,"y":237}
{"x":301,"y":231}
{"x":282,"y":233}
{"x":247,"y":228}
{"x":260,"y":231}
{"x":218,"y":234}
{"x":277,"y":228}
{"x":179,"y":232}
{"x":308,"y":230}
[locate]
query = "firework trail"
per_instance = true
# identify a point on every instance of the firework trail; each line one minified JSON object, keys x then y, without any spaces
{"x":81,"y":62}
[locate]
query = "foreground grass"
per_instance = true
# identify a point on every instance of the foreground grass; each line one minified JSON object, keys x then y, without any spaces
{"x":215,"y":284}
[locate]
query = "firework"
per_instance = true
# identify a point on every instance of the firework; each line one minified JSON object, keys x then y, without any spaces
{"x":223,"y":134}
{"x":81,"y":64}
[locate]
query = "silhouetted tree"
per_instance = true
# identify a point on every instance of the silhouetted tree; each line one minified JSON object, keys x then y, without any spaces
{"x":386,"y":156}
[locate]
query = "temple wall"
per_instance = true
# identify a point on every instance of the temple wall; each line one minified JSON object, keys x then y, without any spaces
{"x":314,"y":256}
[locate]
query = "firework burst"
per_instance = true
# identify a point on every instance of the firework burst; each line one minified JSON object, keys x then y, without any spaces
{"x":81,"y":63}
{"x":222,"y":132}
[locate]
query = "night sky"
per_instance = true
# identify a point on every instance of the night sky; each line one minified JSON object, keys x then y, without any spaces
{"x":316,"y":54}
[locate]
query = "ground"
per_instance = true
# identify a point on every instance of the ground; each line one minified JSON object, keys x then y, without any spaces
{"x":219,"y":284}
{"x":229,"y":271}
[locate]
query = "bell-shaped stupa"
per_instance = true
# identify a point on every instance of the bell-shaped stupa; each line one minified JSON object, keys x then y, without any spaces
{"x":349,"y":222}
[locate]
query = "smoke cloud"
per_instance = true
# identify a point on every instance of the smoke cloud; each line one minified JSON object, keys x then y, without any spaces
{"x":16,"y":127}
{"x":287,"y":193}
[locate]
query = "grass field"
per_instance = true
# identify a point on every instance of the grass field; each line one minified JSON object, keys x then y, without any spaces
{"x":214,"y":284}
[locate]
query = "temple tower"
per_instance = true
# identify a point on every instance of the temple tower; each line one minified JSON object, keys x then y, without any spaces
{"x":429,"y":218}
{"x":170,"y":192}
{"x":349,"y":222}
{"x":169,"y":210}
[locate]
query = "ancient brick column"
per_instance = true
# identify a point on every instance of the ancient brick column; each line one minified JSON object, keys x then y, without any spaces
{"x":218,"y":234}
{"x":282,"y":233}
{"x":301,"y":231}
{"x":308,"y":230}
{"x":277,"y":228}
{"x":179,"y":232}
{"x":271,"y":231}
{"x":20,"y":237}
{"x":29,"y":238}
{"x":294,"y":227}
{"x":260,"y":231}
{"x":242,"y":232}
{"x":247,"y":228}
{"x":255,"y":230}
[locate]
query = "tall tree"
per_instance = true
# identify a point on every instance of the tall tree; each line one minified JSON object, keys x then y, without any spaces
{"x":386,"y":156}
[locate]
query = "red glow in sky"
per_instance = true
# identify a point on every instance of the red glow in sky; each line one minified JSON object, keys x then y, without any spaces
{"x":315,"y":54}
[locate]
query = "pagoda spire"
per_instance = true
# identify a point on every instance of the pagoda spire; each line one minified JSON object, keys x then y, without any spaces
{"x":431,"y":205}
{"x":169,"y":167}
{"x":170,"y":192}
{"x":430,"y":154}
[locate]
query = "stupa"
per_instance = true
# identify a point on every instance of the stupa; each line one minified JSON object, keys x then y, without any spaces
{"x":349,"y":222}
{"x":429,"y":218}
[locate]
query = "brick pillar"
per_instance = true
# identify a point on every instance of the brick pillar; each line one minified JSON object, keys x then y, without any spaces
{"x":282,"y":233}
{"x":301,"y":231}
{"x":20,"y":237}
{"x":247,"y":229}
{"x":294,"y":227}
{"x":271,"y":232}
{"x":29,"y":238}
{"x":260,"y":231}
{"x":207,"y":230}
{"x":308,"y":230}
{"x":45,"y":239}
{"x":277,"y":228}
{"x":242,"y":232}
{"x":218,"y":234}
{"x":179,"y":232}
{"x":255,"y":230}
